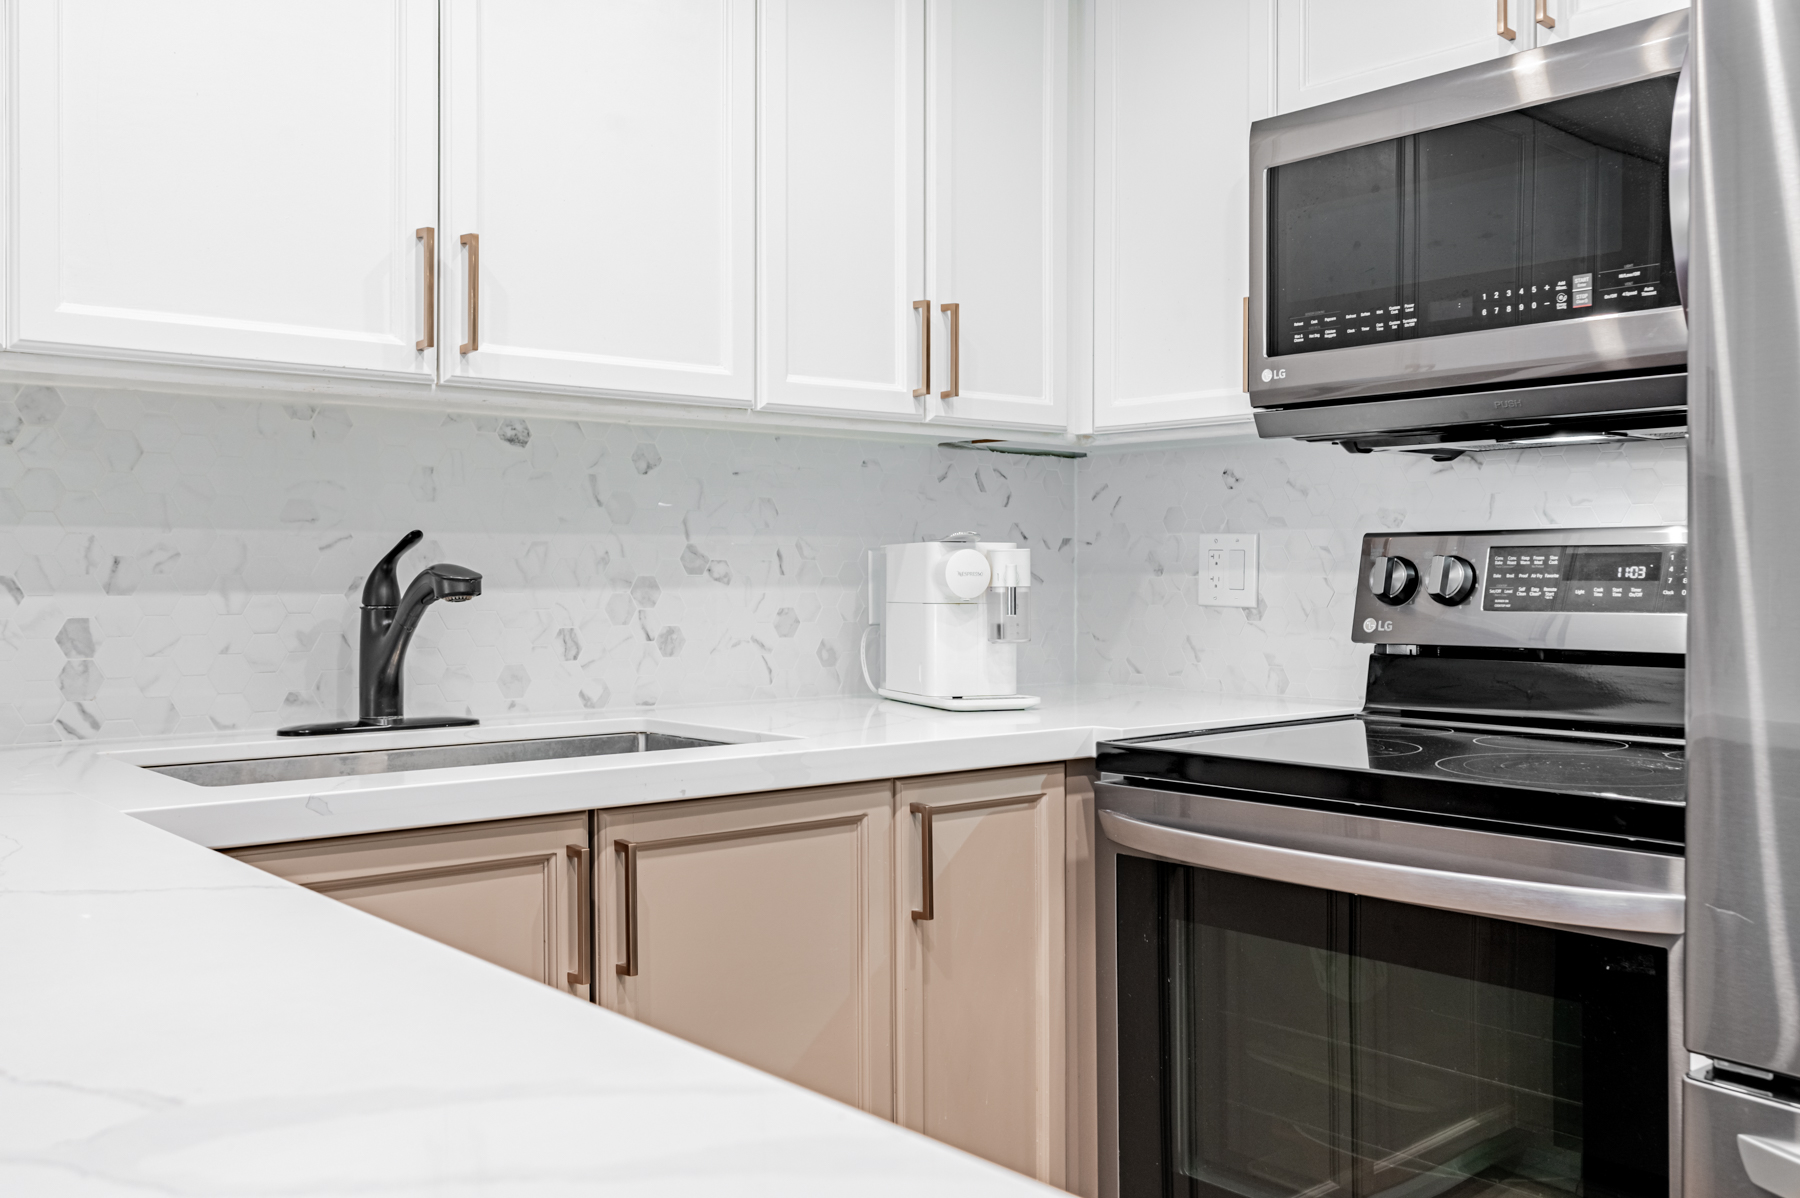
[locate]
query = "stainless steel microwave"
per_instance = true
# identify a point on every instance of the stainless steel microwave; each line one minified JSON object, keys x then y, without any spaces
{"x":1494,"y":255}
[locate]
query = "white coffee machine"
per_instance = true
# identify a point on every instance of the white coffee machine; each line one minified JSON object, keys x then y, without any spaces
{"x":952,"y":618}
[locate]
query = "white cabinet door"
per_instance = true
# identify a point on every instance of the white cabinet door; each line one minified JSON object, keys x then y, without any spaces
{"x":1573,"y":18}
{"x":842,"y":208}
{"x":218,"y":180}
{"x":1171,"y":216}
{"x":1329,"y":49}
{"x":603,"y":153}
{"x":995,"y":214}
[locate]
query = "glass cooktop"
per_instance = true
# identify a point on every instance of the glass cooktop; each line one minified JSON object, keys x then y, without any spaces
{"x":1615,"y":788}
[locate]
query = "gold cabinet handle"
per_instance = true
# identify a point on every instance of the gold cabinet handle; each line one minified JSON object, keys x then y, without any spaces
{"x":629,"y":966}
{"x":1501,"y":17}
{"x":923,"y":307}
{"x":929,"y":908}
{"x":584,"y":916}
{"x":473,"y":241}
{"x":954,"y":312}
{"x":429,"y":237}
{"x":1543,"y":15}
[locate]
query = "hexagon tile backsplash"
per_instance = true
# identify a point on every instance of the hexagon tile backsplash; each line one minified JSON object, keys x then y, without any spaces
{"x":178,"y":565}
{"x":1140,"y":515}
{"x":173,"y":565}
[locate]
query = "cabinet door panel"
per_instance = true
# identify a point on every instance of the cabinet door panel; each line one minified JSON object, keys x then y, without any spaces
{"x":842,"y":237}
{"x":1330,"y":49}
{"x":761,"y":931}
{"x":1171,"y":236}
{"x":1574,"y":18}
{"x":226,"y":181}
{"x":504,"y":891}
{"x":996,"y":212}
{"x":981,"y":1047}
{"x":603,"y":151}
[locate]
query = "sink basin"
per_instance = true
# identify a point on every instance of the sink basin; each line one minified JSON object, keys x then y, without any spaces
{"x":246,"y":771}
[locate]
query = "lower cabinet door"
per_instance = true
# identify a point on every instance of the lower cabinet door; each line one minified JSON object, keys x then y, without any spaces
{"x":758,"y":927}
{"x":508,"y":891}
{"x":980,"y":1054}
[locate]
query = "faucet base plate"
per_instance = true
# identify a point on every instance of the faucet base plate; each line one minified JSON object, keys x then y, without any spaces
{"x":389,"y":725}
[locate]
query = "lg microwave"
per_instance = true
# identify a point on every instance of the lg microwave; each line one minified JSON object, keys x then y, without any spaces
{"x":1494,"y":255}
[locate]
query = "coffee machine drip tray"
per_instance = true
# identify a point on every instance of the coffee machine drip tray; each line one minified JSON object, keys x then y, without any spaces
{"x":955,"y":703}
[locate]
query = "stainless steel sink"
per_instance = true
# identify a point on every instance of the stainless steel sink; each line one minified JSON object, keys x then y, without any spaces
{"x":250,"y":770}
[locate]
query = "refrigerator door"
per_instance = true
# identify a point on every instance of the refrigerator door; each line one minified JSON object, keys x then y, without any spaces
{"x":1743,"y":706}
{"x":1738,"y":1145}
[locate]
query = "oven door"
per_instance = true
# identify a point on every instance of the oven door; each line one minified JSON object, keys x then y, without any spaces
{"x":1507,"y":226}
{"x":1306,"y":1004}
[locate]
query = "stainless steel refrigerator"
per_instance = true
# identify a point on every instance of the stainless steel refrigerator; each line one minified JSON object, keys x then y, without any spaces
{"x":1742,"y":1098}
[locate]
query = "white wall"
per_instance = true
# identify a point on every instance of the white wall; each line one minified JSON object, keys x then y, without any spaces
{"x":174,"y":565}
{"x":1140,"y":516}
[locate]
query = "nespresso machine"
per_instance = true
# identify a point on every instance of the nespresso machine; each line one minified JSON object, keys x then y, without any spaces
{"x":952,"y":615}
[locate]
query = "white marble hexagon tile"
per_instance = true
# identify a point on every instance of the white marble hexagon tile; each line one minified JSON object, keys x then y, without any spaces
{"x":1140,"y":515}
{"x":176,"y":565}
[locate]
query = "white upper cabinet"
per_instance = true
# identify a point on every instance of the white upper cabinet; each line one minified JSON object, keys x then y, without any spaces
{"x":1559,"y":20}
{"x":599,"y":169}
{"x":843,"y":220}
{"x":215,"y":180}
{"x":1171,"y":216}
{"x":995,"y":227}
{"x":1329,"y":49}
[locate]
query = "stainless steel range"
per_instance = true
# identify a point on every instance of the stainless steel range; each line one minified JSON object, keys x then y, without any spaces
{"x":1434,"y":946}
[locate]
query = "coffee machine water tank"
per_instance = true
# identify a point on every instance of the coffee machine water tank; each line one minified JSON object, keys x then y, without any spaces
{"x":954,"y":615}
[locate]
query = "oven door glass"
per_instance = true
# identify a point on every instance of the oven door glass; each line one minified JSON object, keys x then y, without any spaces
{"x":1280,"y":1041}
{"x":1549,"y":213}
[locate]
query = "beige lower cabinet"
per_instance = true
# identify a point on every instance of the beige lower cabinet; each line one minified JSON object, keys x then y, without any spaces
{"x":509,"y":891}
{"x":980,"y":1045}
{"x":759,"y":927}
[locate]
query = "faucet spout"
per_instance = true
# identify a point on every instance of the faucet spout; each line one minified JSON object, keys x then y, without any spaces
{"x":389,"y":620}
{"x":387,"y":631}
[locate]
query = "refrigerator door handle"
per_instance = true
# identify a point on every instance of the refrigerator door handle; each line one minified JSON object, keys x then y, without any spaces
{"x":1773,"y":1165}
{"x":1475,"y":894}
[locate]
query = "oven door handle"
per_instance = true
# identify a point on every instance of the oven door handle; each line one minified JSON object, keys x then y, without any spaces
{"x":1473,"y":894}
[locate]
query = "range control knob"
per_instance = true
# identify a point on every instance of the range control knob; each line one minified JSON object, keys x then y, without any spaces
{"x":1393,"y":580}
{"x":1450,"y":579}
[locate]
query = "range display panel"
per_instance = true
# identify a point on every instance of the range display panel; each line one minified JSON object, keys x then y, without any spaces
{"x":1588,"y":578}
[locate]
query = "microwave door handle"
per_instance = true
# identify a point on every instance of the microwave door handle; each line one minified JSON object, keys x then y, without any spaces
{"x":1681,"y":132}
{"x":1473,"y":894}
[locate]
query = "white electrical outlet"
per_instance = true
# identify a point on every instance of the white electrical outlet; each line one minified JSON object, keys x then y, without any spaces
{"x":1228,"y":570}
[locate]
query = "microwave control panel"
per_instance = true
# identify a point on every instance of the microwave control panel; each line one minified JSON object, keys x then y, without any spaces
{"x":1615,"y":578}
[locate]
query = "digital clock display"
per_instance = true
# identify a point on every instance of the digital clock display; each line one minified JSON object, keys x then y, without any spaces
{"x":1592,"y":578}
{"x":1613,"y":565}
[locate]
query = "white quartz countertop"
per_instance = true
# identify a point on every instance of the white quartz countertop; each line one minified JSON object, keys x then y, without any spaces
{"x":175,"y":1022}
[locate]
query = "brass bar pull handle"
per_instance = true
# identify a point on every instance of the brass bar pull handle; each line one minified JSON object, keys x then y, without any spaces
{"x":954,"y":312}
{"x":429,"y":237}
{"x":928,"y":909}
{"x":473,"y":241}
{"x":584,"y":918}
{"x":629,"y":966}
{"x":1502,"y":24}
{"x":1543,"y":15}
{"x":923,"y":308}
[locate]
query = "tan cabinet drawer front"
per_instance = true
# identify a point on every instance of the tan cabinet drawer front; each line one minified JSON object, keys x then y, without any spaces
{"x":762,"y":931}
{"x":503,"y":891}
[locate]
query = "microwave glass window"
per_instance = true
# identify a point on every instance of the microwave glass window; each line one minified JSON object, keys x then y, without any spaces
{"x":1550,"y":213}
{"x":1309,"y":1043}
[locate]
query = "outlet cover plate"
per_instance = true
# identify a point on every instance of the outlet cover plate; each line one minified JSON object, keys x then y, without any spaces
{"x":1228,"y":569}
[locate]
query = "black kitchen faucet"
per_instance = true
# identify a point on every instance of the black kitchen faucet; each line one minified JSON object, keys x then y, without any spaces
{"x":388,"y":621}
